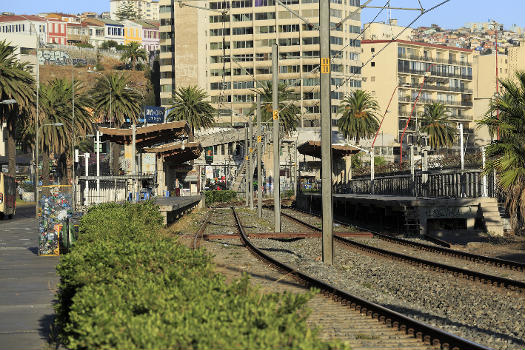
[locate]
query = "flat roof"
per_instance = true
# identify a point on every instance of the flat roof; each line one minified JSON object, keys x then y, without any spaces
{"x":417,"y":43}
{"x":177,"y":151}
{"x":148,"y":135}
{"x":313,"y":148}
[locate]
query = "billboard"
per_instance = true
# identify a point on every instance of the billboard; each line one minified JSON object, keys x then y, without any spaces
{"x":153,"y":115}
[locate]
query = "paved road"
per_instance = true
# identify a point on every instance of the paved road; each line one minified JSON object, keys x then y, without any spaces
{"x":27,"y":284}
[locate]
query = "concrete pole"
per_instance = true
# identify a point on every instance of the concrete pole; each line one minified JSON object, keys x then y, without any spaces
{"x":412,"y":170}
{"x":276,"y":143}
{"x":461,"y":147}
{"x":86,"y":190}
{"x":246,"y":166}
{"x":250,"y":161}
{"x":259,"y":156}
{"x":326,"y":132}
{"x":372,"y":170}
{"x":98,"y":165}
{"x":73,"y":137}
{"x":484,"y":190}
{"x":295,"y":184}
{"x":133,"y":160}
{"x":37,"y":121}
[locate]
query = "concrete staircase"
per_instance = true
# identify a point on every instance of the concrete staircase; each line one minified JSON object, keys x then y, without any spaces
{"x":492,"y":217}
{"x":239,"y":178}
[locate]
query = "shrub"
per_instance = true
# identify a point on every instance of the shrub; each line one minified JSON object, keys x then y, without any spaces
{"x":126,"y":286}
{"x":220,"y":196}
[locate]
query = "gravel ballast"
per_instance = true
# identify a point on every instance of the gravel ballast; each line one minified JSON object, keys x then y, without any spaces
{"x":484,"y":314}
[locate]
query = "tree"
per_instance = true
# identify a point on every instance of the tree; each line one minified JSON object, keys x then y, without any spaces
{"x":16,"y":83}
{"x":108,"y":44}
{"x":56,"y":106}
{"x":507,"y":156}
{"x":436,"y":124}
{"x":359,"y":116}
{"x":189,"y":104}
{"x":133,"y":52}
{"x":126,"y":11}
{"x":288,"y":112}
{"x":115,"y":101}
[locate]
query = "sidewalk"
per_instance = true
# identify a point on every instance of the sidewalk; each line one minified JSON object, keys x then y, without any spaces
{"x":27,"y":284}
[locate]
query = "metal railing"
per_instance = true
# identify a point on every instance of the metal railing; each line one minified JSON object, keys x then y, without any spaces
{"x":112,"y":189}
{"x":433,"y":184}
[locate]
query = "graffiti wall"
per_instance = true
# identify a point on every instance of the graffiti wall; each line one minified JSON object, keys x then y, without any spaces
{"x":65,"y":58}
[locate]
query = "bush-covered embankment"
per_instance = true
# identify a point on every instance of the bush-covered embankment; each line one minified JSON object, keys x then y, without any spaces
{"x":125,"y":285}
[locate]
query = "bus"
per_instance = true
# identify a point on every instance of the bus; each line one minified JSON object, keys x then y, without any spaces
{"x":7,"y":196}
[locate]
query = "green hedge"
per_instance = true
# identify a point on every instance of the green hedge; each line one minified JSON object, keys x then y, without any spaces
{"x":126,"y":286}
{"x":220,"y":196}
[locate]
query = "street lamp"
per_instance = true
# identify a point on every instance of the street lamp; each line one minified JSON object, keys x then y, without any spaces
{"x":37,"y":155}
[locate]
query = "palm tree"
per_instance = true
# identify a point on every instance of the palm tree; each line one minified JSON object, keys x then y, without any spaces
{"x":507,"y":156}
{"x":359,"y":116}
{"x":116,"y":102}
{"x":436,"y":124}
{"x":16,"y":83}
{"x":133,"y":52}
{"x":288,"y":112}
{"x":189,"y":104}
{"x":56,"y":107}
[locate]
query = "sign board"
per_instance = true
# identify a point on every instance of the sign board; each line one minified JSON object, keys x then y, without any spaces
{"x":208,"y":156}
{"x":154,"y":115}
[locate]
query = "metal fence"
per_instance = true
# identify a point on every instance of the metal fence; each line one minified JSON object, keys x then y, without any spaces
{"x":111,"y":189}
{"x":442,"y":184}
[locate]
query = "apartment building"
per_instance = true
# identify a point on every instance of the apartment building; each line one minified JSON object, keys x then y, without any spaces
{"x":485,"y":82}
{"x":386,"y":31}
{"x":21,"y":31}
{"x":227,"y":48}
{"x":397,"y":73}
{"x":145,"y":9}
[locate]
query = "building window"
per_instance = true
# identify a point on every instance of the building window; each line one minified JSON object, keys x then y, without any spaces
{"x":373,"y":64}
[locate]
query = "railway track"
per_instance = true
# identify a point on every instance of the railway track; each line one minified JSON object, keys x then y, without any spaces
{"x":427,"y":335}
{"x":500,"y":263}
{"x":436,"y":266}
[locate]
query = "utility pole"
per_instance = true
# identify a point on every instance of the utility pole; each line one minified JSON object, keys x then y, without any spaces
{"x":74,"y":187}
{"x":250,"y":161}
{"x":276,"y":143}
{"x":372,"y":170}
{"x":97,"y":145}
{"x":295,"y":169}
{"x":37,"y":140}
{"x":86,"y":190}
{"x":326,"y":132}
{"x":259,"y":156}
{"x":133,"y":160}
{"x":246,"y":165}
{"x":461,"y":149}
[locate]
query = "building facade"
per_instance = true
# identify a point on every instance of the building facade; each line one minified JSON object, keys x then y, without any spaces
{"x":444,"y":75}
{"x":227,"y":50}
{"x":485,"y":82}
{"x":386,"y":31}
{"x":145,"y":9}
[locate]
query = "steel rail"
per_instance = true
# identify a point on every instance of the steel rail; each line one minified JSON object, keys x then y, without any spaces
{"x":456,"y":271}
{"x":420,"y":330}
{"x":509,"y":264}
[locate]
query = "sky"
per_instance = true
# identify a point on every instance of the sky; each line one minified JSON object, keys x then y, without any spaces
{"x":453,"y":14}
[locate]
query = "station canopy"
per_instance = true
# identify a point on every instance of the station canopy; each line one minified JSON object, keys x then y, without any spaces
{"x":147,"y":135}
{"x":177,"y":151}
{"x":313,"y":148}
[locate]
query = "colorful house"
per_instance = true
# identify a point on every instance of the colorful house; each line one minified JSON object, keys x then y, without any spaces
{"x":150,"y":35}
{"x":113,"y":30}
{"x":132,"y":32}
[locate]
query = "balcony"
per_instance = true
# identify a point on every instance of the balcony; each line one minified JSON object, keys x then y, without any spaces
{"x":435,"y":87}
{"x":434,"y":60}
{"x":421,"y":100}
{"x":434,"y":73}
